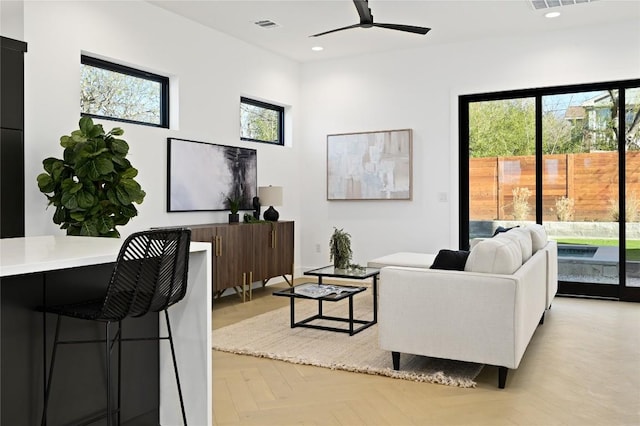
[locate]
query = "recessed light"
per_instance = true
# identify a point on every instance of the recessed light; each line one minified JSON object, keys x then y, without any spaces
{"x":552,"y":14}
{"x":317,"y":48}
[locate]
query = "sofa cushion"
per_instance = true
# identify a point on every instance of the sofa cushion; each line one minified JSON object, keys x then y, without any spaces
{"x":538,"y":236}
{"x":523,"y":237}
{"x":495,"y":256}
{"x":453,"y":260}
{"x":410,"y":259}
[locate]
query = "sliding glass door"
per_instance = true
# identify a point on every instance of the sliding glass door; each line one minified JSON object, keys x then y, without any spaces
{"x":568,"y":158}
{"x":502,"y":164}
{"x":581,"y":186}
{"x":631,"y":201}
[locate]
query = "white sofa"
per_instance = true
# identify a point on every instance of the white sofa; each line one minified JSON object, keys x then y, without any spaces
{"x":485,"y":314}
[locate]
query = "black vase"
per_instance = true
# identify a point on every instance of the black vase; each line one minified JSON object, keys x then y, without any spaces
{"x":271,"y":214}
{"x":234,"y":217}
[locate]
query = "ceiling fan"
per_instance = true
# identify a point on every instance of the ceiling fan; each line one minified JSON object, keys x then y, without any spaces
{"x":366,"y":21}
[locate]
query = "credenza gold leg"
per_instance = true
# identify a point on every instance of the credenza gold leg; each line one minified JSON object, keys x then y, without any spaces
{"x":244,"y":287}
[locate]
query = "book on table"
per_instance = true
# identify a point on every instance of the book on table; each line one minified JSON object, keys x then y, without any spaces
{"x":317,"y":291}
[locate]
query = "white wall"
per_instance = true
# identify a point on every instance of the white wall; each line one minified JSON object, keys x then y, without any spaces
{"x":212,"y":71}
{"x":415,"y":89}
{"x":11,"y":19}
{"x":418,"y":89}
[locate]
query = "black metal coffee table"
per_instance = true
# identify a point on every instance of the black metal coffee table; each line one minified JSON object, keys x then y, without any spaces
{"x":333,"y":293}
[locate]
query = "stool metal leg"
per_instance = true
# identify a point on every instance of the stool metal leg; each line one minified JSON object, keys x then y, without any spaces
{"x":175,"y":367}
{"x":119,"y":368}
{"x":47,"y":391}
{"x":107,"y":344}
{"x":111,"y":419}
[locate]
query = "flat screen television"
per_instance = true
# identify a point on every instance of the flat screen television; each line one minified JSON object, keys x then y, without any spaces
{"x":202,"y":175}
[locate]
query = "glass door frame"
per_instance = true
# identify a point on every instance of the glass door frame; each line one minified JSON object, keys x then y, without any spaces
{"x":615,"y":291}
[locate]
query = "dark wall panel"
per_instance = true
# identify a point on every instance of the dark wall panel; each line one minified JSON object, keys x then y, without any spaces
{"x":12,"y":85}
{"x":12,"y":137}
{"x":12,"y":183}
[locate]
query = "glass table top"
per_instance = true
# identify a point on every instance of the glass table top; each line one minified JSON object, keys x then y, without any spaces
{"x":331,"y":271}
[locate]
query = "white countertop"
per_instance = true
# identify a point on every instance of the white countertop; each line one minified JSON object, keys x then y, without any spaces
{"x":50,"y":252}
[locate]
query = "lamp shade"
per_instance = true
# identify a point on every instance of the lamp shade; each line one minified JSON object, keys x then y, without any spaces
{"x":270,"y":195}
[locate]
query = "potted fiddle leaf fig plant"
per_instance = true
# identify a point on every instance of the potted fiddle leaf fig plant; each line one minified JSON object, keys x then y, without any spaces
{"x":340,"y":249}
{"x":92,"y":187}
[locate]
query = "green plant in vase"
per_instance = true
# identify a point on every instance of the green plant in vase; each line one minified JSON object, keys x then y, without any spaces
{"x":340,"y":249}
{"x":233,"y":204}
{"x":92,"y":186}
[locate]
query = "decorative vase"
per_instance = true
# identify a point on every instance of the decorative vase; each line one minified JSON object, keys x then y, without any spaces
{"x":234,"y":217}
{"x":271,"y":214}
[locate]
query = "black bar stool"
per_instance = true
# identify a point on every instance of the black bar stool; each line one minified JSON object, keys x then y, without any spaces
{"x":150,"y":275}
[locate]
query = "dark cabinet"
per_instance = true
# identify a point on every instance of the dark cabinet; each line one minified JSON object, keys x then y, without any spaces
{"x":243,"y":253}
{"x":273,"y":250}
{"x":12,"y":83}
{"x":78,"y":385}
{"x":12,"y":181}
{"x":12,"y":138}
{"x":232,"y":260}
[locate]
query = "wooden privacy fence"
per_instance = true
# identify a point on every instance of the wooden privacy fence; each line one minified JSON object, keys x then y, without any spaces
{"x":588,"y":181}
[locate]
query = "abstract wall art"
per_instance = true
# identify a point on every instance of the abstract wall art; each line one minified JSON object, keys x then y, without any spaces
{"x":370,"y":165}
{"x":202,"y":175}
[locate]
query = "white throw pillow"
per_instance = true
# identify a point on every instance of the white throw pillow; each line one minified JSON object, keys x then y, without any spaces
{"x":538,"y":236}
{"x":523,"y":237}
{"x":495,"y":256}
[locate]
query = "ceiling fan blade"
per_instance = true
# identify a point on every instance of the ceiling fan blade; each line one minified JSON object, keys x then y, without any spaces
{"x":366,"y":21}
{"x":338,"y":29}
{"x":406,"y":28}
{"x":363,"y":10}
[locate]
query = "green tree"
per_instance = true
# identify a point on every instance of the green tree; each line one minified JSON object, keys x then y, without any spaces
{"x":259,"y":123}
{"x":558,"y":135}
{"x":507,"y":127}
{"x":607,"y":130}
{"x":502,"y":128}
{"x":111,"y":94}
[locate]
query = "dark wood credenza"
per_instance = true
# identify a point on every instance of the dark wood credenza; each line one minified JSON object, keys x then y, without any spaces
{"x":244,"y":253}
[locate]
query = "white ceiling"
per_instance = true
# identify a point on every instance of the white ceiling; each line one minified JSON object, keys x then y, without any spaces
{"x":450,"y":21}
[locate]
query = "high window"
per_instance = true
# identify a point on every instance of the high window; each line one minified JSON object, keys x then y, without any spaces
{"x":261,"y":122}
{"x":116,"y":92}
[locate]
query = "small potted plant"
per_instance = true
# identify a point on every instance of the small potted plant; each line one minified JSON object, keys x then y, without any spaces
{"x":340,"y":249}
{"x":233,"y":204}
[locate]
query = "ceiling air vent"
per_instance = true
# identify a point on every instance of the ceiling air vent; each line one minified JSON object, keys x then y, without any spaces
{"x":266,"y":23}
{"x":546,"y":4}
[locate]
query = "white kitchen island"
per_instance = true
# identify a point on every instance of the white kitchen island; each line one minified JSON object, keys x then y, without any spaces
{"x":29,"y":269}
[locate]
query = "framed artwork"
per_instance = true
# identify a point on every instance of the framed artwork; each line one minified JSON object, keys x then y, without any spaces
{"x":202,"y":175}
{"x":370,"y":166}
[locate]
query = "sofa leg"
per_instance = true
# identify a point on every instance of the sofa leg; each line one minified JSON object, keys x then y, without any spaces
{"x":541,"y":319}
{"x":502,"y":377}
{"x":395,"y":356}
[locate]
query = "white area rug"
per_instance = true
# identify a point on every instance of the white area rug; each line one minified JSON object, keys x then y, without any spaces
{"x":270,"y":336}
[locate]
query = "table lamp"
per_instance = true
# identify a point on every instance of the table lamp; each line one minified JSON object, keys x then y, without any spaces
{"x":270,"y":196}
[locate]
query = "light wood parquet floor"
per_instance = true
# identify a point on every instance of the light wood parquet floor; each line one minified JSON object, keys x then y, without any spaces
{"x":582,"y":367}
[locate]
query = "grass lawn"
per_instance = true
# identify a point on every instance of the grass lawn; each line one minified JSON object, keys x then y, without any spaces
{"x":633,"y":246}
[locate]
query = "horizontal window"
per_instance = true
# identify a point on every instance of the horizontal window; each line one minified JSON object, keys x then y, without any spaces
{"x":261,"y":122}
{"x":116,"y":92}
